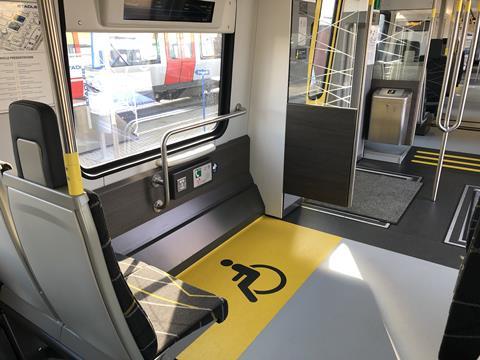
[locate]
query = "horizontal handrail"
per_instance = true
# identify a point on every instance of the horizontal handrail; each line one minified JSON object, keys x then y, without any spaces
{"x":160,"y":205}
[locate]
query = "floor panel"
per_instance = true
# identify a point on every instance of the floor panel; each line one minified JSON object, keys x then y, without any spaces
{"x":422,"y":229}
{"x":413,"y":295}
{"x":265,"y":251}
{"x":341,"y":299}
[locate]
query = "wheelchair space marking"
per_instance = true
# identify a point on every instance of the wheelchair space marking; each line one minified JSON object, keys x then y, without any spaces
{"x":282,"y":248}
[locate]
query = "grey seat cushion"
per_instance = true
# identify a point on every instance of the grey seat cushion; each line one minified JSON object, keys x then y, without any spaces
{"x":174,"y":308}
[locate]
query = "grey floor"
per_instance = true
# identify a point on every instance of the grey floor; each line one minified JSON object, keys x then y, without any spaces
{"x":362,"y":303}
{"x":459,"y":141}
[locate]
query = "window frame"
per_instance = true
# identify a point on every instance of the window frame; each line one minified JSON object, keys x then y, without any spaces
{"x":224,"y":104}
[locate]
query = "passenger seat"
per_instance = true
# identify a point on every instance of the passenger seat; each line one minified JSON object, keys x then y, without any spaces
{"x":106,"y":309}
{"x":173,"y":308}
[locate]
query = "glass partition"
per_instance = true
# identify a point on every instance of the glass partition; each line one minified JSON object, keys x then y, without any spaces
{"x":323,"y":50}
{"x":401,"y":45}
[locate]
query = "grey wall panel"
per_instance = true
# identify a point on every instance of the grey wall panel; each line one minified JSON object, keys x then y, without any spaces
{"x":180,"y":215}
{"x":129,"y":203}
{"x":319,"y":152}
{"x":177,"y":251}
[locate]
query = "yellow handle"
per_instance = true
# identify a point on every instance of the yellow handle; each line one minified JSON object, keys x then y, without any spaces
{"x":469,"y":5}
{"x":74,"y":174}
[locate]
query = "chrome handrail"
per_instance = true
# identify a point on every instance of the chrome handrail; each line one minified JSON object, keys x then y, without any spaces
{"x":460,"y":45}
{"x":160,"y":205}
{"x":445,"y":126}
{"x":468,"y":74}
{"x":453,"y":34}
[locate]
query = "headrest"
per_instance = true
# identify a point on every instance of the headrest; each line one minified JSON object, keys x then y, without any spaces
{"x":36,"y":143}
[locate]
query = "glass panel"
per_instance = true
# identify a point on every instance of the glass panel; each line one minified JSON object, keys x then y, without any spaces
{"x":401,"y":45}
{"x":128,"y":89}
{"x":323,"y":46}
{"x":211,"y":46}
{"x":174,"y":48}
{"x":187,"y":46}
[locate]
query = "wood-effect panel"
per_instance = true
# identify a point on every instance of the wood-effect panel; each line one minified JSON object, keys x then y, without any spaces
{"x":319,"y":152}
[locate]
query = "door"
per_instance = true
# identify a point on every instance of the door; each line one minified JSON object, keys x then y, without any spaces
{"x":174,"y":58}
{"x":180,"y":58}
{"x":326,"y":98}
{"x":188,"y":58}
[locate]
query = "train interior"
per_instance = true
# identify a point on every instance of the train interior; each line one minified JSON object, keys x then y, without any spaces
{"x":226,"y":179}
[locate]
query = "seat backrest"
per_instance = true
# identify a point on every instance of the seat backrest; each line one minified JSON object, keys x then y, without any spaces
{"x":60,"y":241}
{"x":15,"y":273}
{"x":36,"y":143}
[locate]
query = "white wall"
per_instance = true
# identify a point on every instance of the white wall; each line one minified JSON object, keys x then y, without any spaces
{"x":242,"y":66}
{"x":268,"y":105}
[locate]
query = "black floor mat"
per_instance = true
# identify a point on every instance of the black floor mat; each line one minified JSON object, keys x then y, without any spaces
{"x":380,"y":197}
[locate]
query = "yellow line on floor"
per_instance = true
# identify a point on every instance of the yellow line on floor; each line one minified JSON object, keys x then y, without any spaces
{"x":447,"y":160}
{"x":448,"y":155}
{"x":446,"y":166}
{"x":294,"y":250}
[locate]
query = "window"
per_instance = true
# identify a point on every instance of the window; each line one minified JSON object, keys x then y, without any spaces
{"x":401,"y":45}
{"x":173,"y":46}
{"x":128,"y":89}
{"x":187,"y":46}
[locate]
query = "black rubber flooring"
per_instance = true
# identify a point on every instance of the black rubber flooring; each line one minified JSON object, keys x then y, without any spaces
{"x":422,"y":229}
{"x":381,"y":197}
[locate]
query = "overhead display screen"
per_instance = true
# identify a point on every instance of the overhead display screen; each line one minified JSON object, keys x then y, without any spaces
{"x":169,"y":10}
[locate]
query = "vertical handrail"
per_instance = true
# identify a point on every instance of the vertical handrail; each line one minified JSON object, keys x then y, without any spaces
{"x":468,"y":74}
{"x":453,"y":34}
{"x":456,"y":67}
{"x":53,"y":38}
{"x":445,"y":126}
